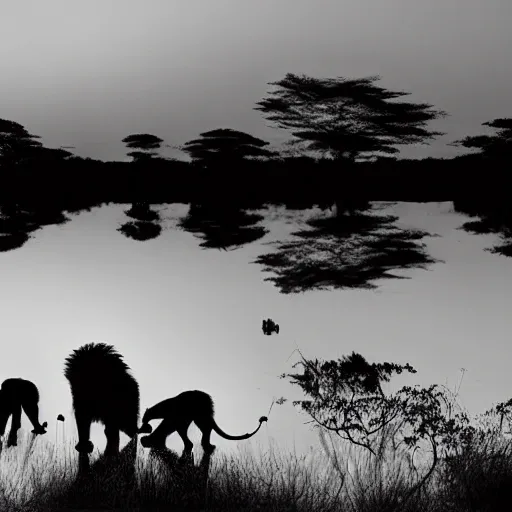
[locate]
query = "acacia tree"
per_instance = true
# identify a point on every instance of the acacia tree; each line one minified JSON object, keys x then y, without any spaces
{"x":225,"y":146}
{"x":18,"y":146}
{"x":345,"y":397}
{"x":347,"y":119}
{"x":498,"y":145}
{"x":16,"y":143}
{"x":493,"y":209}
{"x":218,"y":216}
{"x":146,"y":226}
{"x":145,"y":143}
{"x":26,"y":163}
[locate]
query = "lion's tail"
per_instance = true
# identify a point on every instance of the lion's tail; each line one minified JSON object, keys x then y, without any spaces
{"x":236,"y":438}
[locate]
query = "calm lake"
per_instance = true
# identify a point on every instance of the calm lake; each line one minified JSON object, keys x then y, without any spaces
{"x":187,"y":318}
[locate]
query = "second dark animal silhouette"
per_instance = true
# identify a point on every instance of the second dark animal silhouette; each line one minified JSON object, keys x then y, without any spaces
{"x":16,"y":394}
{"x":177,"y":414}
{"x":103,"y":390}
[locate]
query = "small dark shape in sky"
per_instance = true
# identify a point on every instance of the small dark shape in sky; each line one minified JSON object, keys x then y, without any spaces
{"x":269,"y":326}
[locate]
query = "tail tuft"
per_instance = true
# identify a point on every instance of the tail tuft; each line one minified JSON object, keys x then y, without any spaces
{"x":263,"y":418}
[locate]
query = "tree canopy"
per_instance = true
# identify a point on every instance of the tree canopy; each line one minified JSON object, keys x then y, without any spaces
{"x":347,"y":118}
{"x":491,"y":207}
{"x":225,"y":145}
{"x":16,"y":143}
{"x":145,"y":143}
{"x":498,"y":145}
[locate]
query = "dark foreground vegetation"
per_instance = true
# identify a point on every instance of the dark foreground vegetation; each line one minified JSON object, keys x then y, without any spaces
{"x":414,"y":450}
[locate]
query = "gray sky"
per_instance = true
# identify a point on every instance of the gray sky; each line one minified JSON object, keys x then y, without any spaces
{"x":87,"y":74}
{"x":186,"y":318}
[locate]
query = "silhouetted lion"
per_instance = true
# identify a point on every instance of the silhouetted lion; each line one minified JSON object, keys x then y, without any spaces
{"x":15,"y":394}
{"x":103,"y":390}
{"x":177,"y":414}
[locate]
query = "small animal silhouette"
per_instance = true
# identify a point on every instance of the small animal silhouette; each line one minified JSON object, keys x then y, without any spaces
{"x":177,"y":414}
{"x":269,"y":326}
{"x":16,"y":394}
{"x":103,"y":390}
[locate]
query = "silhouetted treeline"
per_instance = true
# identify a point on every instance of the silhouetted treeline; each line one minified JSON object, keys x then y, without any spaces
{"x":297,"y":182}
{"x":350,"y":122}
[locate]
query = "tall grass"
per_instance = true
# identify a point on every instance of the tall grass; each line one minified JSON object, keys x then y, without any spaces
{"x":40,"y":475}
